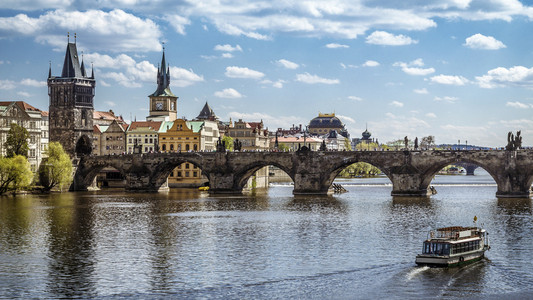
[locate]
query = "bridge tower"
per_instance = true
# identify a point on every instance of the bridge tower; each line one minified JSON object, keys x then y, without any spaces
{"x":163,"y":103}
{"x":71,"y":105}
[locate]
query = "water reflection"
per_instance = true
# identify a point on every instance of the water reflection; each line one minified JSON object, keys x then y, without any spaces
{"x":71,"y":256}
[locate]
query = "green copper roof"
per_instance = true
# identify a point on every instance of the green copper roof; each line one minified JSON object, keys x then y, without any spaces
{"x":196,"y":126}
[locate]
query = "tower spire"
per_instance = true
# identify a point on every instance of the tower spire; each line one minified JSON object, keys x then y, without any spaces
{"x":49,"y":69}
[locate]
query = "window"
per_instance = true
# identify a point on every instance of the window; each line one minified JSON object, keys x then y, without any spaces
{"x":195,"y":147}
{"x":187,"y":148}
{"x":186,"y":166}
{"x":194,"y":174}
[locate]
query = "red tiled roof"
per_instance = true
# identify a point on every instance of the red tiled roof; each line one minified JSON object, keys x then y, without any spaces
{"x":106,"y":115}
{"x":21,"y":104}
{"x":153,"y":124}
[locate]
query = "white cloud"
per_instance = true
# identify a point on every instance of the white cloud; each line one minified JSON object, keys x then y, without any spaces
{"x":479,"y":41}
{"x":32,"y":82}
{"x":336,"y":46}
{"x":312,"y":79}
{"x":130,"y":73}
{"x":24,"y":94}
{"x":449,"y":80}
{"x":182,"y":77}
{"x":228,"y":93}
{"x":446,"y":99}
{"x":389,"y":39}
{"x":177,"y":22}
{"x":110,"y":103}
{"x":115,"y":30}
{"x":371,"y":63}
{"x":421,"y":91}
{"x":518,"y":105}
{"x":228,"y":48}
{"x":396,"y":104}
{"x":409,"y":69}
{"x":270,"y":121}
{"x":355,"y":98}
{"x":502,"y":77}
{"x":226,"y":55}
{"x":7,"y":85}
{"x":346,"y":119}
{"x":431,"y":115}
{"x":238,"y":72}
{"x":288,"y":64}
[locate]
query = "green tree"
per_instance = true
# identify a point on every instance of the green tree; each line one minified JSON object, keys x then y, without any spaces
{"x":360,"y":169}
{"x":283,"y":147}
{"x":56,"y":170}
{"x":366,"y":146}
{"x":15,"y":173}
{"x":17,"y":141}
{"x":347,"y":144}
{"x":228,"y":140}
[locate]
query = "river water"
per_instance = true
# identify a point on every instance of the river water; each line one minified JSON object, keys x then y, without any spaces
{"x":185,"y":244}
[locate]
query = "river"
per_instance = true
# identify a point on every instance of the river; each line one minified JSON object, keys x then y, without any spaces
{"x":185,"y":244}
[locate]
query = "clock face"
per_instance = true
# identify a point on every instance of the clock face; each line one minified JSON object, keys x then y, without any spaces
{"x":159,"y":106}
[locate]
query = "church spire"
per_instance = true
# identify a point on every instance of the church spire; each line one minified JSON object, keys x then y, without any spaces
{"x":49,"y":69}
{"x":83,"y":73}
{"x":71,"y":64}
{"x":163,"y":78}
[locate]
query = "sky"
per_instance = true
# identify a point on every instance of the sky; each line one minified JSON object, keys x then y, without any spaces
{"x":460,"y":70}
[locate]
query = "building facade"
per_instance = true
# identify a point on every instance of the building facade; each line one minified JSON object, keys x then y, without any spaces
{"x":252,"y":135}
{"x":109,"y":139}
{"x":36,"y":123}
{"x":71,"y":105}
{"x":143,"y":136}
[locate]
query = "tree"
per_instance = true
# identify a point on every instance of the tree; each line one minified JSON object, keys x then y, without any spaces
{"x":15,"y":173}
{"x":284,"y":148}
{"x":366,"y":146}
{"x":427,"y":142}
{"x":228,"y":141}
{"x":360,"y":169}
{"x":56,"y":170}
{"x":17,"y":141}
{"x":347,"y":144}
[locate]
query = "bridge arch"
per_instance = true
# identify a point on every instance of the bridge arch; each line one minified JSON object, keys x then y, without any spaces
{"x":85,"y":178}
{"x":332,"y":172}
{"x":242,"y":175}
{"x":164,"y":168}
{"x":431,"y":171}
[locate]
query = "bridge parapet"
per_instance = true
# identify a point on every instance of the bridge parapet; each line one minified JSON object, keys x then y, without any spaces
{"x":410,"y":172}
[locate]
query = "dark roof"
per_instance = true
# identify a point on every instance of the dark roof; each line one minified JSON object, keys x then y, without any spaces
{"x":326,"y":121}
{"x":163,"y":80}
{"x":71,"y":65}
{"x":207,"y":113}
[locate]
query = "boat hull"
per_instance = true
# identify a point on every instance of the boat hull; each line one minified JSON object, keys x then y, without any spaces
{"x":449,"y":261}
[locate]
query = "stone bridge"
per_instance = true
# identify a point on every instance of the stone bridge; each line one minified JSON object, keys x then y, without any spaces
{"x":410,"y":172}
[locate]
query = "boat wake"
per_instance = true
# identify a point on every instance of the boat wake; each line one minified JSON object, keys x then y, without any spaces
{"x":414,"y":272}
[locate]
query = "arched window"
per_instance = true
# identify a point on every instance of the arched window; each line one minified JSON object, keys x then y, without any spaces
{"x":195,"y":147}
{"x":171,"y":147}
{"x":164,"y":147}
{"x":187,"y":147}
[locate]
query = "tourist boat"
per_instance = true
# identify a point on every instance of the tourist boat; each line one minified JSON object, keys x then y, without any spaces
{"x":453,"y":246}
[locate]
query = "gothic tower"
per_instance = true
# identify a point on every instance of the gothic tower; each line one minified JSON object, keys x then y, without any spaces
{"x":163,"y":104}
{"x":71,"y":105}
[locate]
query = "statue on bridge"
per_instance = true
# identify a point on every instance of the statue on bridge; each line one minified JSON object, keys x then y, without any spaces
{"x":221,"y":145}
{"x":406,"y":142}
{"x":237,"y":145}
{"x":416,"y":143}
{"x":513,"y":142}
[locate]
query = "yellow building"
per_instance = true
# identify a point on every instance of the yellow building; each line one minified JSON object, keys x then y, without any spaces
{"x":183,"y":136}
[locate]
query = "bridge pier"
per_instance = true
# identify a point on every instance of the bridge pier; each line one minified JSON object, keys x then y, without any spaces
{"x":408,"y":185}
{"x":309,"y":184}
{"x":223,"y":183}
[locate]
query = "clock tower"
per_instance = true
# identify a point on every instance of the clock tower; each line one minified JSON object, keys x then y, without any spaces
{"x":163,"y":103}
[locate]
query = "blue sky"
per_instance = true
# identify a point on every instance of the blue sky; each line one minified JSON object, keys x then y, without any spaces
{"x":455,"y":69}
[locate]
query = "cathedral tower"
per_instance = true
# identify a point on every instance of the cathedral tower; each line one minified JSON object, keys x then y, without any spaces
{"x":163,"y":104}
{"x":71,"y":105}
